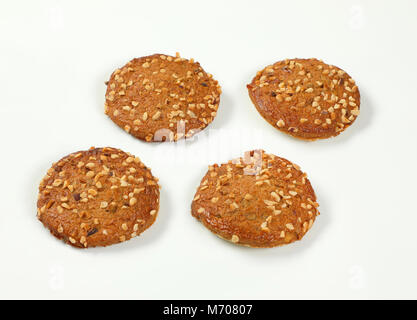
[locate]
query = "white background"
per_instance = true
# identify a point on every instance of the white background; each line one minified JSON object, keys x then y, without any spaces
{"x":55,"y":58}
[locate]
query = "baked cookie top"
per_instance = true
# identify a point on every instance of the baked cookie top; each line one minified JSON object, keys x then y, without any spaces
{"x":98,"y":197}
{"x":260,"y":200}
{"x":162,"y":98}
{"x":306,"y":98}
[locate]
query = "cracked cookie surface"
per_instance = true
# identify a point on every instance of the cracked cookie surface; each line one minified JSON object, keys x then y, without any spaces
{"x":98,"y":197}
{"x":260,"y":200}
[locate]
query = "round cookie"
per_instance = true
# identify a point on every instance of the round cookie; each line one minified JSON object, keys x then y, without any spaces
{"x":260,"y":200}
{"x":306,"y":98}
{"x":98,"y":197}
{"x":162,"y":98}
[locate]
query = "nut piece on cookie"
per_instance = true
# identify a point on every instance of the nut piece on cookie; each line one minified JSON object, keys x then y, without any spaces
{"x":98,"y":197}
{"x":162,"y":98}
{"x":261,"y":200}
{"x":306,"y":98}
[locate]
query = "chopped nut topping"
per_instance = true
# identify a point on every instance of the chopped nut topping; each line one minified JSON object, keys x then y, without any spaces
{"x":234,"y":206}
{"x":248,"y":196}
{"x":57,"y":183}
{"x":270,"y":203}
{"x":156,"y":116}
{"x":276,"y":196}
{"x":90,"y":165}
{"x":90,"y":174}
{"x":133,"y":201}
{"x":235,"y":238}
{"x":280,"y":123}
{"x":289,"y":226}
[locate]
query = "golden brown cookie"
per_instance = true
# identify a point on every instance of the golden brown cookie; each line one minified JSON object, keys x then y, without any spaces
{"x":260,"y":200}
{"x":98,"y":197}
{"x":162,"y":98}
{"x":306,"y":98}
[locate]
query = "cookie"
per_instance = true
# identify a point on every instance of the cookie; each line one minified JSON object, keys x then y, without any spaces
{"x":98,"y":197}
{"x":306,"y":98}
{"x":162,"y":98}
{"x":260,"y":200}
